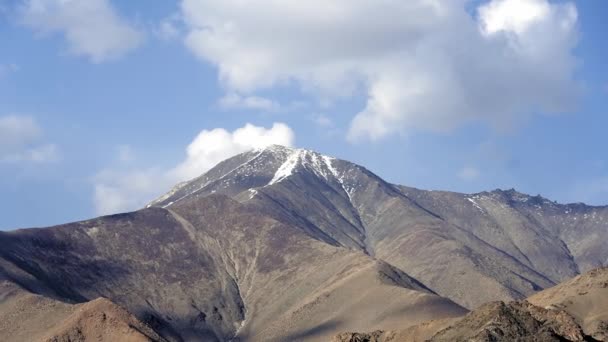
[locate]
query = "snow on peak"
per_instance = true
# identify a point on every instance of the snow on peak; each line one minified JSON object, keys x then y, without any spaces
{"x":286,"y":169}
{"x":320,"y":165}
{"x":274,"y":148}
{"x":328,"y":161}
{"x":310,"y":160}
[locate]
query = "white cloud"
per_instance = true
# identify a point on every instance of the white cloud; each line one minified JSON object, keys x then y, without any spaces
{"x":211,"y":147}
{"x":129,"y":189}
{"x":424,"y":64}
{"x":512,"y":15}
{"x":20,"y":138}
{"x":91,"y":28}
{"x":123,"y":190}
{"x":236,"y":101}
{"x":468,"y":173}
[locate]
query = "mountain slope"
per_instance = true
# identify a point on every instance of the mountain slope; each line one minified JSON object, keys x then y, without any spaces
{"x":210,"y":268}
{"x":488,"y":246}
{"x":491,"y":322}
{"x":29,"y":317}
{"x":574,"y":310}
{"x":585,"y":297}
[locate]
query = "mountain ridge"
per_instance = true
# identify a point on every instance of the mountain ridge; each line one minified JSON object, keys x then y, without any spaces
{"x":269,"y":175}
{"x":511,"y":193}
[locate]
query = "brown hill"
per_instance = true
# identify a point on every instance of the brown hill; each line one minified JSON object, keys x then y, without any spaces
{"x":27,"y":317}
{"x":515,"y":321}
{"x":575,"y":310}
{"x":585,"y":298}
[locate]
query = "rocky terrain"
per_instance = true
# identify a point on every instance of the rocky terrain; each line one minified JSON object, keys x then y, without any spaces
{"x":496,"y":245}
{"x":572,"y":311}
{"x":29,"y":317}
{"x":585,"y":298}
{"x":282,"y":244}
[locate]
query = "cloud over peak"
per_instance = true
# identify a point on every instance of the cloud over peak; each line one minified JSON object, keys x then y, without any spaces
{"x":212,"y":146}
{"x":123,"y":189}
{"x":429,"y":65}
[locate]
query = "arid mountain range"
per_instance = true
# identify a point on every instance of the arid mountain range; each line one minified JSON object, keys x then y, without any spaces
{"x":282,"y":244}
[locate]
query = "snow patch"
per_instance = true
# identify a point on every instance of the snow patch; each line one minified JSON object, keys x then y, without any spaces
{"x":337,"y":176}
{"x":475,"y":204}
{"x":286,"y":169}
{"x":328,"y":162}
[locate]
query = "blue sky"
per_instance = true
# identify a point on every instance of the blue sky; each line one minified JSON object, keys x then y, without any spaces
{"x":100,"y":99}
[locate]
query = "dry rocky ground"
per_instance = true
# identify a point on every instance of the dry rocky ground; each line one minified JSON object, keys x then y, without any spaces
{"x":575,"y":310}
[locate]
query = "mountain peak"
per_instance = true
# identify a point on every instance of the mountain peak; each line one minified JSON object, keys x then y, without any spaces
{"x":317,"y":163}
{"x":255,"y":169}
{"x":275,"y":148}
{"x":283,"y":150}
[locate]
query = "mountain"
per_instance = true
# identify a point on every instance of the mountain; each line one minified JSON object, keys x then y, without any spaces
{"x":496,"y":245}
{"x":574,"y":310}
{"x":288,"y":244}
{"x":211,"y":268}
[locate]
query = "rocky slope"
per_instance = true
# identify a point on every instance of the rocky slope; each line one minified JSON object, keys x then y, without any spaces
{"x":575,"y":310}
{"x":585,"y":298}
{"x":499,"y":245}
{"x":211,"y":268}
{"x":28,"y":317}
{"x":515,"y":321}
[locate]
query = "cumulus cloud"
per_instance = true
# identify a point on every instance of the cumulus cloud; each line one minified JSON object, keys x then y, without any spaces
{"x":430,"y":65}
{"x":211,"y":147}
{"x":131,"y":188}
{"x":20,"y":141}
{"x":91,"y":28}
